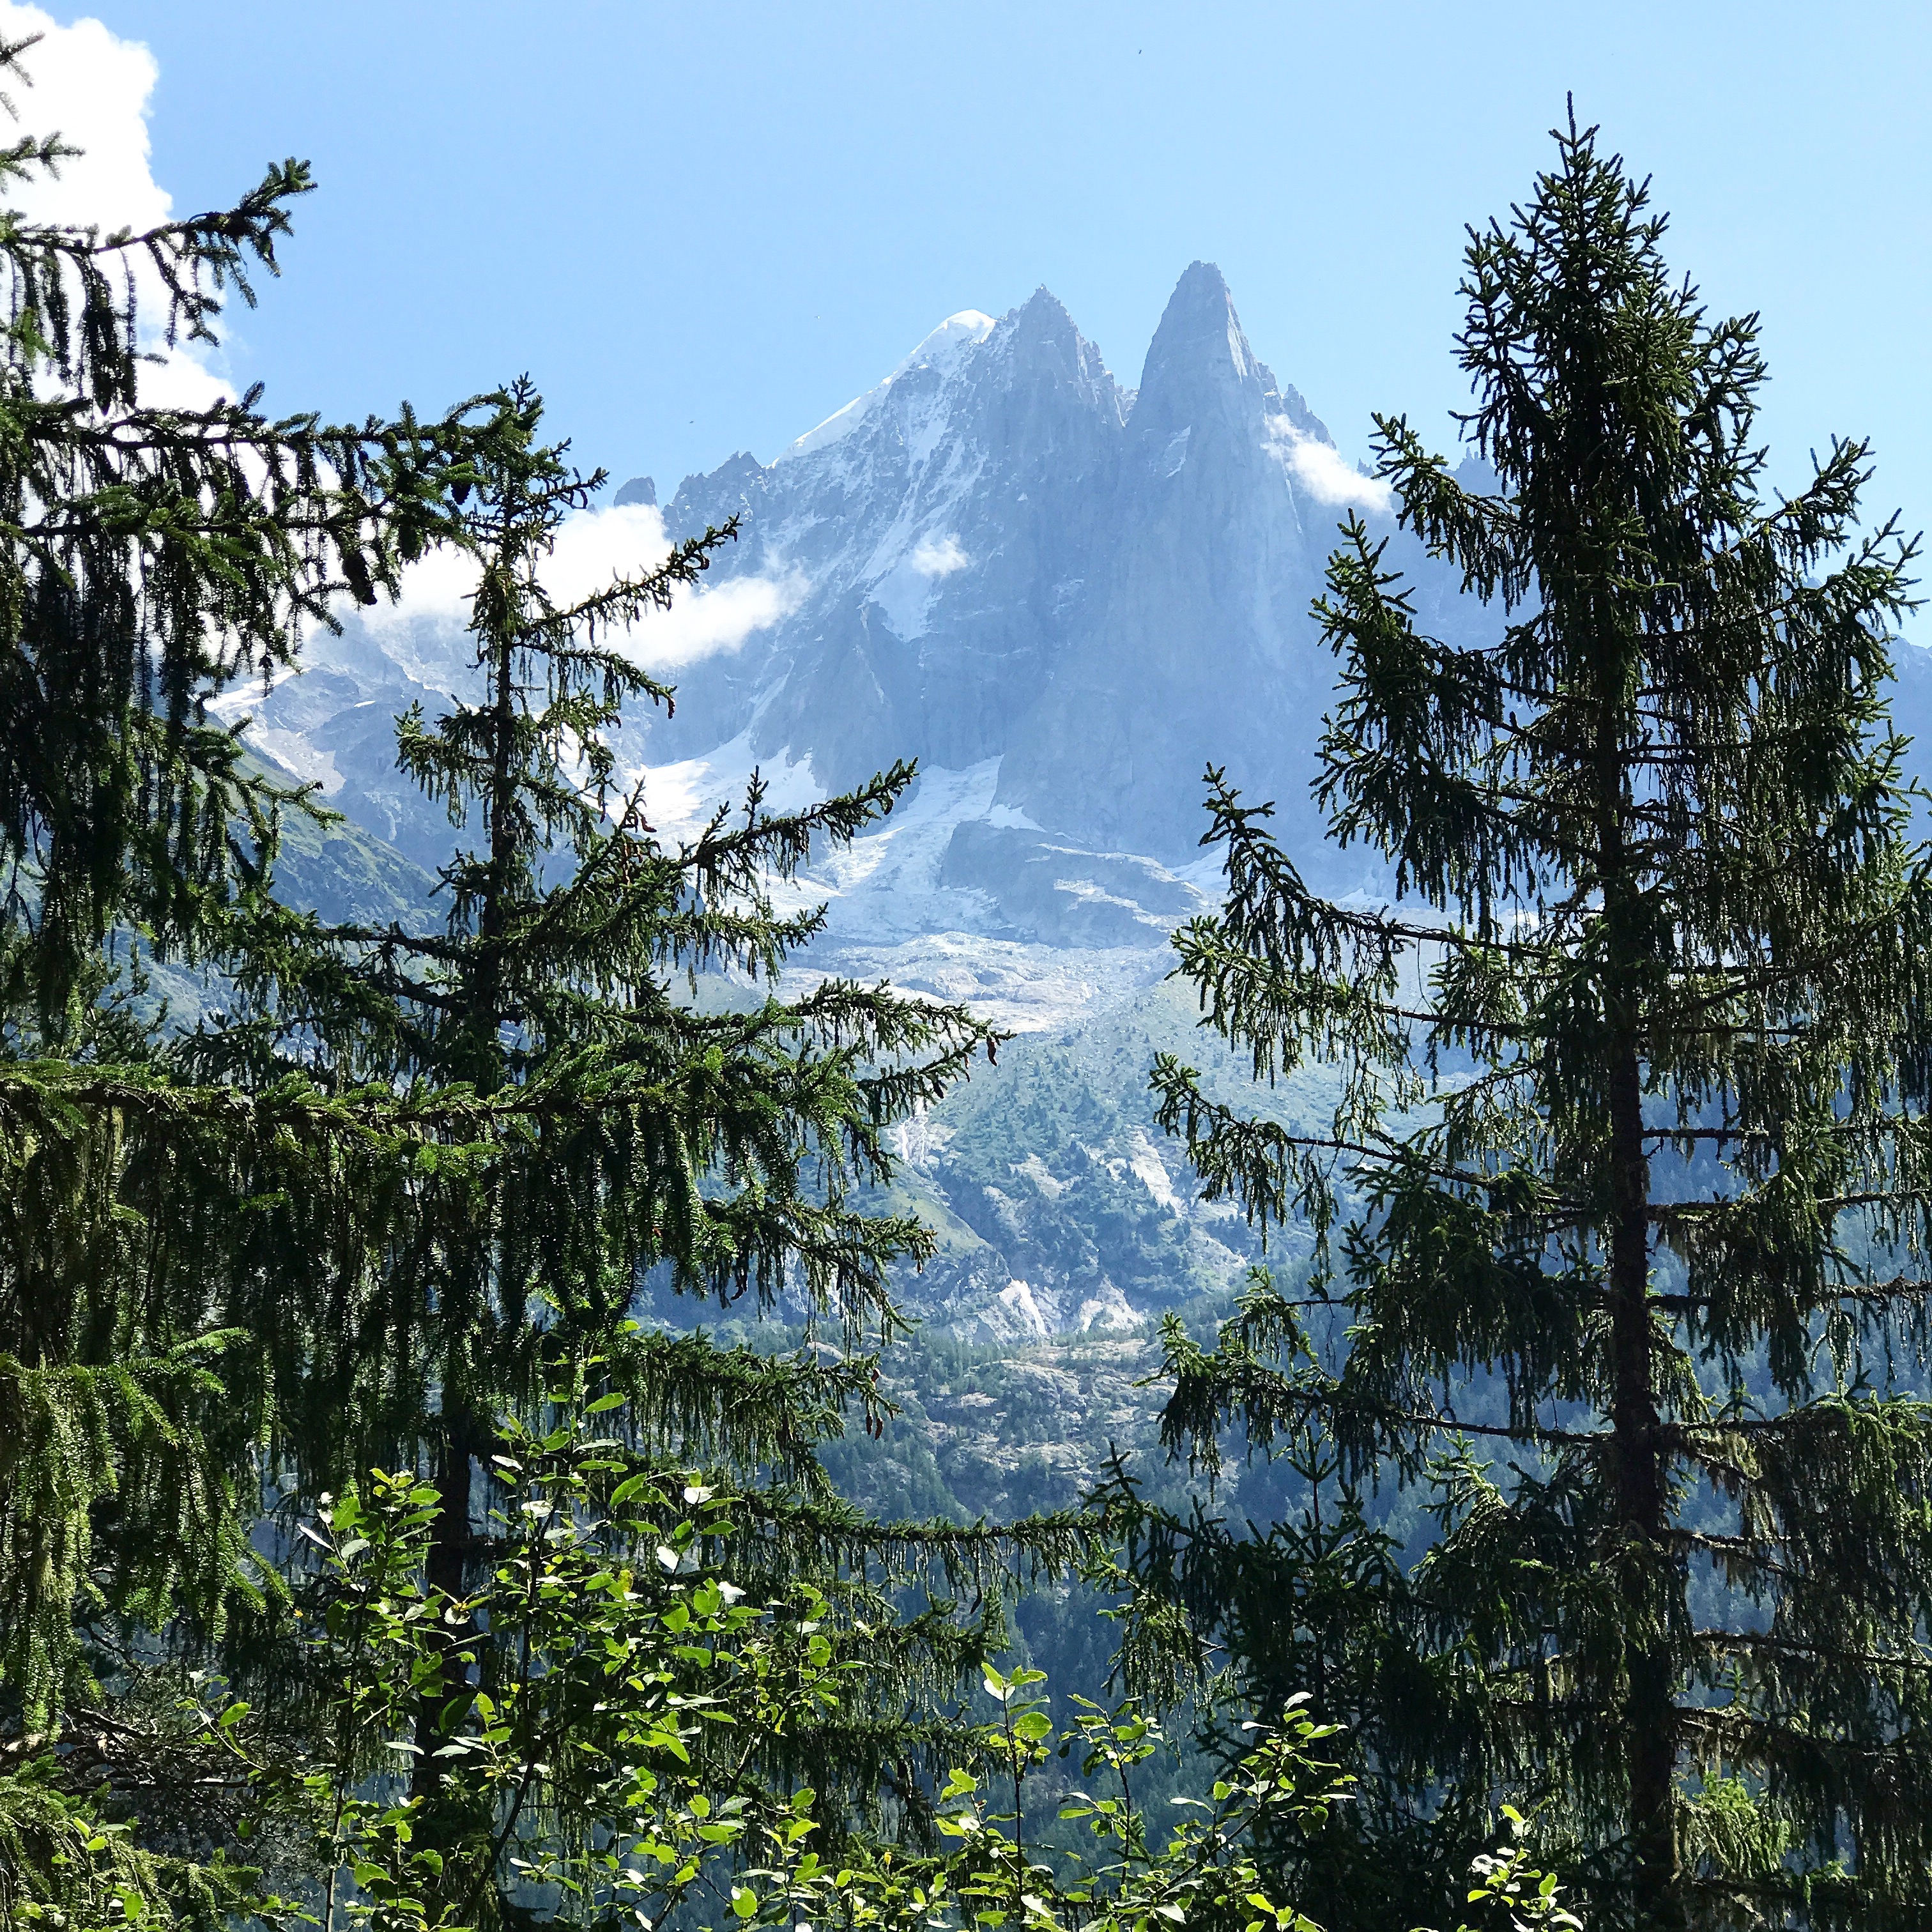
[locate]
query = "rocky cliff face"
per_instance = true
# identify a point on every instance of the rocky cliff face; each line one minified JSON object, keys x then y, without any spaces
{"x":1064,"y":598}
{"x":1008,"y":557}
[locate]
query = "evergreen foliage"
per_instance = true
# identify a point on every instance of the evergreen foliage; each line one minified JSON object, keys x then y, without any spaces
{"x":617,"y":1732}
{"x":725,"y":1147}
{"x":153,"y":556}
{"x":411,"y":1177}
{"x":150,"y":558}
{"x":1623,"y":1206}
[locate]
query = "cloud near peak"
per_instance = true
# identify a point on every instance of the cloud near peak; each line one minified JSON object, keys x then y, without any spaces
{"x":940,"y":556}
{"x":593,"y":548}
{"x":1318,"y":467}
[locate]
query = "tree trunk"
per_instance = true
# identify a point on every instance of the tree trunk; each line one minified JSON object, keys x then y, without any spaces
{"x":1650,"y":1713}
{"x":463,"y":1434}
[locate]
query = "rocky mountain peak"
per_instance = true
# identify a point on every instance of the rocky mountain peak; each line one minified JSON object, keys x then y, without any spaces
{"x":1039,"y":344}
{"x":1199,"y":357}
{"x":1063,"y":599}
{"x":1041,"y":323}
{"x":1200,"y":369}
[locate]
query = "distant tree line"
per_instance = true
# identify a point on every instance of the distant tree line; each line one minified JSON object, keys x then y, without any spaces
{"x":364,"y":1562}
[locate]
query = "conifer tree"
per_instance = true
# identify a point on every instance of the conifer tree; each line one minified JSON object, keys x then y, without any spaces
{"x":153,"y":557}
{"x":727,"y":1147}
{"x":150,"y":558}
{"x":415,"y":1174}
{"x":1625,"y":1198}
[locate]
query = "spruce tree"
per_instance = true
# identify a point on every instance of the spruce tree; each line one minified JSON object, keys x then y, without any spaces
{"x":151,"y":558}
{"x":412,"y":1176}
{"x":1622,"y":1208}
{"x":728,"y":1146}
{"x":154,"y":557}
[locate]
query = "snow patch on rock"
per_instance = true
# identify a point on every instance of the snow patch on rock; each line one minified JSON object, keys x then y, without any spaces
{"x":1020,"y":988}
{"x":1022,"y":1313}
{"x":1036,"y":1170}
{"x":1108,"y":1313}
{"x":1150,"y":1170}
{"x":680,"y":798}
{"x":293,"y":752}
{"x":939,"y":350}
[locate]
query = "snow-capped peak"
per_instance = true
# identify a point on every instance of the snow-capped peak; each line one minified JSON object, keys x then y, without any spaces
{"x":946,"y":341}
{"x":938,"y":350}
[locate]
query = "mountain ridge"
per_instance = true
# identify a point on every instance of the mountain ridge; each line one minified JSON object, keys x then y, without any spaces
{"x":1066,"y":597}
{"x":1012,"y":556}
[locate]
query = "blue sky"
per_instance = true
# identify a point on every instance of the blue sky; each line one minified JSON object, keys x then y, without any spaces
{"x":703,"y":228}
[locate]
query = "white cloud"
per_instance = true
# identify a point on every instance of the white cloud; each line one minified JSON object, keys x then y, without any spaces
{"x":93,"y":89}
{"x":593,"y":548}
{"x":704,"y":622}
{"x":940,"y":557}
{"x":1318,"y":467}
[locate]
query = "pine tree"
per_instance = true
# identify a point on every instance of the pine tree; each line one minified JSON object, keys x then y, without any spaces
{"x":1623,"y":1199}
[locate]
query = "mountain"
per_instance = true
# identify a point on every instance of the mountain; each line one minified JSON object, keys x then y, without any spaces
{"x":1004,"y":556}
{"x":1066,"y":598}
